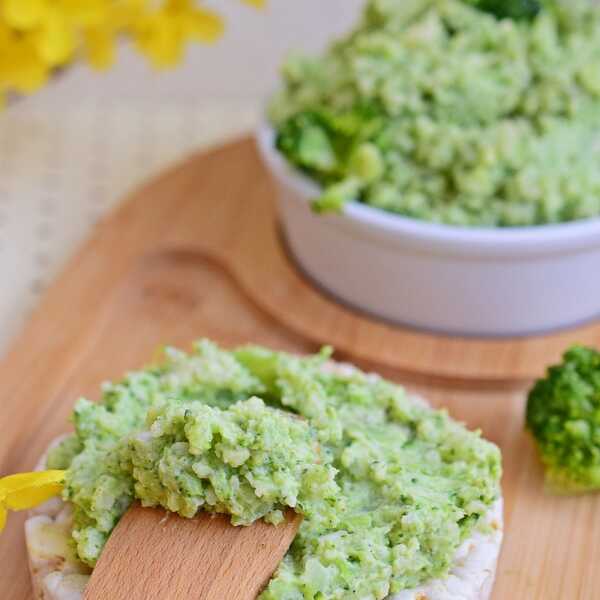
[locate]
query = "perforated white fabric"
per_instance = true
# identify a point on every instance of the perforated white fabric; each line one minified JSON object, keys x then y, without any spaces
{"x":61,"y":170}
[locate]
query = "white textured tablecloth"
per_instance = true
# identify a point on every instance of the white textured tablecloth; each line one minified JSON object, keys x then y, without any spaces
{"x":60,"y":170}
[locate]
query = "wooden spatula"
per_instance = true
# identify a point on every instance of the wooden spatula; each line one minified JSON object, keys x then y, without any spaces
{"x":155,"y":555}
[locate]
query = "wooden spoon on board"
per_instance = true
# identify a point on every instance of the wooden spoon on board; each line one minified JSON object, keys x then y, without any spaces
{"x":156,"y":555}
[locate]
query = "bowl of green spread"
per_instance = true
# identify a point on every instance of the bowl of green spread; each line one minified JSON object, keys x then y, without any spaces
{"x":439,"y":166}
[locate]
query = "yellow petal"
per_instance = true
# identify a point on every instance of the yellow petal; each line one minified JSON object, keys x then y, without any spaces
{"x":55,"y":41}
{"x":203,"y":26}
{"x":24,"y":481}
{"x":26,"y":490}
{"x":100,"y":47}
{"x":123,"y":16}
{"x":160,"y":39}
{"x":6,"y":35}
{"x":22,"y":68}
{"x":31,"y":497}
{"x":255,"y":3}
{"x":24,"y":14}
{"x":179,"y":5}
{"x":87,"y":13}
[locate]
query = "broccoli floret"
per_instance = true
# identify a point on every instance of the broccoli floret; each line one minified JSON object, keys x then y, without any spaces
{"x":509,"y":9}
{"x":305,"y":141}
{"x":337,"y":150}
{"x":563,"y":414}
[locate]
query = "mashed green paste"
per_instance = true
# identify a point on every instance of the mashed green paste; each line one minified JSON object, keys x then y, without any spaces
{"x":388,"y":488}
{"x":436,"y":110}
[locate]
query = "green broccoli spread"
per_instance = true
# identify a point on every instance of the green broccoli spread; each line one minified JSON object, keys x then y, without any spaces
{"x":388,"y":488}
{"x":563,"y":414}
{"x":449,"y":111}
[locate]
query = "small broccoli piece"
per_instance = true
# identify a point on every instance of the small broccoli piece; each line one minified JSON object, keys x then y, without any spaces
{"x":563,"y":414}
{"x":509,"y":9}
{"x":305,"y":141}
{"x":337,"y":150}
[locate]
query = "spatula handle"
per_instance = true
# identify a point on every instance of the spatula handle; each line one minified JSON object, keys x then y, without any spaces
{"x":155,"y":555}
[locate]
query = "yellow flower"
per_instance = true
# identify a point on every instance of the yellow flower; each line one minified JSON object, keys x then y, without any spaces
{"x":37,"y":36}
{"x":27,"y":490}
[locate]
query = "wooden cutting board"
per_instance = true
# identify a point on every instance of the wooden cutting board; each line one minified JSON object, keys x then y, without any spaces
{"x":197,"y":253}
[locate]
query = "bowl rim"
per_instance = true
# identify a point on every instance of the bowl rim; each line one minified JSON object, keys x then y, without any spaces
{"x":569,"y":236}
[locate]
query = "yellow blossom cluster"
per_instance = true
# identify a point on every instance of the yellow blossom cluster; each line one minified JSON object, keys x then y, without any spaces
{"x":39,"y":36}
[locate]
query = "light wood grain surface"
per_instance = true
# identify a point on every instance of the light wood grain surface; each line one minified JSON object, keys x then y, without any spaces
{"x":196,"y":253}
{"x":182,"y":559}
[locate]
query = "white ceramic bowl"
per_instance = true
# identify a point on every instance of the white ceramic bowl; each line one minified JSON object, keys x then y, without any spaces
{"x":461,"y":281}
